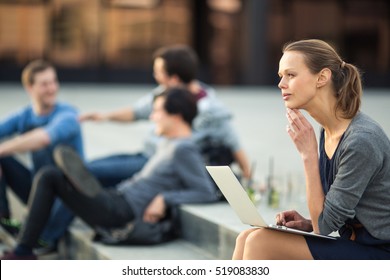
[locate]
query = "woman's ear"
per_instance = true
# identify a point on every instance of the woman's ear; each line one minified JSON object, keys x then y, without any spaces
{"x":324,"y":77}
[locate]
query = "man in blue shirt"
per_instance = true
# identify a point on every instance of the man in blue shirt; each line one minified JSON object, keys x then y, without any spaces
{"x":36,"y":129}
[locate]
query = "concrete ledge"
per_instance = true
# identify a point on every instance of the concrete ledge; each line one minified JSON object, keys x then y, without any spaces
{"x":212,"y":227}
{"x":208,"y":232}
{"x":78,"y":244}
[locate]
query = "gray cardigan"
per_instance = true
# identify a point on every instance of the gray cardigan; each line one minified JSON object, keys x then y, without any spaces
{"x":361,"y":188}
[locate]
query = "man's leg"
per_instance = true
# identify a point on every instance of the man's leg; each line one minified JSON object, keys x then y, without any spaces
{"x":111,"y":170}
{"x":18,"y":178}
{"x":4,"y":206}
{"x":106,"y":209}
{"x":61,"y":216}
{"x":41,"y":158}
{"x":60,"y":219}
{"x":90,"y":195}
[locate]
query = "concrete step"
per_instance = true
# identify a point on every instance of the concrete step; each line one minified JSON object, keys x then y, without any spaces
{"x":209,"y":231}
{"x":214,"y":227}
{"x":78,"y":244}
{"x":8,"y":242}
{"x":211,"y":227}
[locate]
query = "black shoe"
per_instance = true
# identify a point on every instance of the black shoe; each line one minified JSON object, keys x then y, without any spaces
{"x":11,"y":226}
{"x":74,"y":169}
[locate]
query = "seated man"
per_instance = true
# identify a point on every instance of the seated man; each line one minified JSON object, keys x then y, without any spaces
{"x":212,"y":128}
{"x":37,"y":129}
{"x":175,"y":174}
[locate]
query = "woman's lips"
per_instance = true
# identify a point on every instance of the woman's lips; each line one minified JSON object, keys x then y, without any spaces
{"x":286,"y":96}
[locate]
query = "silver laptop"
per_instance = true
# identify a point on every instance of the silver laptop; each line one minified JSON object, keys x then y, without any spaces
{"x":238,"y":199}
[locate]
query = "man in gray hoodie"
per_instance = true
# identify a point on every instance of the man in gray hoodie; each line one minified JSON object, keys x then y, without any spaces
{"x":212,"y":129}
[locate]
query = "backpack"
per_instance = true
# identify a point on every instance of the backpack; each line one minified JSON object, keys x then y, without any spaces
{"x":215,"y":153}
{"x":139,"y":232}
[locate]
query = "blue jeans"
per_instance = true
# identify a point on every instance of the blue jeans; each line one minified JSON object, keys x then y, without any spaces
{"x":19,"y":178}
{"x":111,"y":170}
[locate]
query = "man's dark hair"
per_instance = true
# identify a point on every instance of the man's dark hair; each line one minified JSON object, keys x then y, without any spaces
{"x":180,"y":101}
{"x":179,"y":60}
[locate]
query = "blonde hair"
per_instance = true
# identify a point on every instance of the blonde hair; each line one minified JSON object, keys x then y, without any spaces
{"x":30,"y":71}
{"x":346,"y":77}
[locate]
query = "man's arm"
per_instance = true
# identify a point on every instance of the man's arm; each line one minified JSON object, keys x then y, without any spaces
{"x":29,"y":141}
{"x":140,"y":111}
{"x":119,"y":115}
{"x":62,"y":127}
{"x":196,"y":186}
{"x":155,"y":210}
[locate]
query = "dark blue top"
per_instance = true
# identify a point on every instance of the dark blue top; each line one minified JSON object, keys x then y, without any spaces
{"x":326,"y":164}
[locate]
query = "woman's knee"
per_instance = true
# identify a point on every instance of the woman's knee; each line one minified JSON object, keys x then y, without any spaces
{"x":268,"y":239}
{"x":241,"y":238}
{"x":257,"y":237}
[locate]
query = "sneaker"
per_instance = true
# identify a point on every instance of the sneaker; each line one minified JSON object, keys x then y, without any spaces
{"x":11,"y":226}
{"x":74,"y":169}
{"x":43,"y":249}
{"x":13,"y":256}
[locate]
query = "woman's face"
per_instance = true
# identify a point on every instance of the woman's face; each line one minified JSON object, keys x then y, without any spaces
{"x":297,"y":83}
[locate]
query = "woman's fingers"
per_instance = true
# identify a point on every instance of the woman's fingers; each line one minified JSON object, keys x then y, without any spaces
{"x":296,"y":119}
{"x":280,"y":219}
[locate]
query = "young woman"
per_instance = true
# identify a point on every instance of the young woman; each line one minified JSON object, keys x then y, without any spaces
{"x":347,"y":181}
